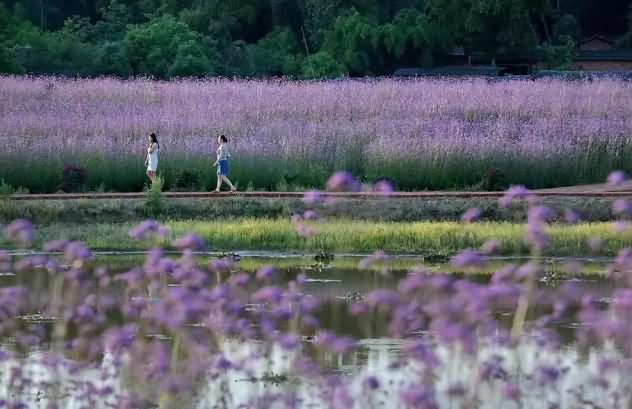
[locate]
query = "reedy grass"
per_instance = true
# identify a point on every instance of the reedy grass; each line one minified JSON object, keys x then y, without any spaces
{"x":351,"y":236}
{"x":427,"y":171}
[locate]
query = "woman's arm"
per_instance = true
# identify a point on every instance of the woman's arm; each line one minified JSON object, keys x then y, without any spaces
{"x":151,"y":148}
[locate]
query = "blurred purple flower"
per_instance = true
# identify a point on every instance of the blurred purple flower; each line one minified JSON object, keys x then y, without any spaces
{"x":20,"y":230}
{"x":239,"y":280}
{"x":468,"y":258}
{"x":312,"y":198}
{"x":512,"y":392}
{"x":190,"y":241}
{"x":418,"y":397}
{"x":221,"y":265}
{"x":310,"y":215}
{"x":514,"y":193}
{"x":143,"y":230}
{"x":289,"y":341}
{"x":384,"y":188}
{"x":272,"y":295}
{"x":471,"y":215}
{"x":595,"y":244}
{"x":383,"y":297}
{"x":77,"y":251}
{"x":541,"y":214}
{"x":616,"y":178}
{"x":343,"y":182}
{"x":571,"y":216}
{"x":621,"y":207}
{"x":372,"y":383}
{"x":56,"y":245}
{"x":490,"y":247}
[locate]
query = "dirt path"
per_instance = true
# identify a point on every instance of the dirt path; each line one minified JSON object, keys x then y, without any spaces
{"x":597,"y":190}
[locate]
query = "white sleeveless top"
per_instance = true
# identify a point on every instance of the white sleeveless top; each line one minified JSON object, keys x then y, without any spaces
{"x":152,"y":164}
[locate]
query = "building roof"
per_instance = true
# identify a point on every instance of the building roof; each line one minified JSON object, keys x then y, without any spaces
{"x":606,"y":55}
{"x":597,"y":37}
{"x":449,"y":71}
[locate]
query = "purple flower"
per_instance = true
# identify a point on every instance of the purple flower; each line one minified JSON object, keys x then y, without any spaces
{"x":616,"y":178}
{"x":537,"y":237}
{"x":343,"y":182}
{"x":621,"y":207}
{"x":56,"y":245}
{"x":190,"y":241}
{"x":372,"y":383}
{"x":383,"y":297}
{"x":418,"y":397}
{"x":144,"y":230}
{"x":313,"y":197}
{"x":76,"y":251}
{"x":490,"y":247}
{"x":117,"y":339}
{"x":540,"y":214}
{"x":512,"y":392}
{"x":289,"y":341}
{"x":595,"y":244}
{"x":514,"y":193}
{"x":468,"y":258}
{"x":384,"y":188}
{"x":21,"y":230}
{"x":471,"y":215}
{"x":239,"y":280}
{"x":272,"y":295}
{"x":221,"y":265}
{"x":310,"y":215}
{"x":571,"y":216}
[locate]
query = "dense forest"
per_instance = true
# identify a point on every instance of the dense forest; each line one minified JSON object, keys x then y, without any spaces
{"x":297,"y":38}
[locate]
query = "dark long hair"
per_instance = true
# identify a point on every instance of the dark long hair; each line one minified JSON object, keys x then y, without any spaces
{"x":154,"y":139}
{"x":223,"y":138}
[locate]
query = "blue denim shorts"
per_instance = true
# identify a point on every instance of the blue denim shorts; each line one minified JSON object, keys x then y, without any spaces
{"x":222,"y":168}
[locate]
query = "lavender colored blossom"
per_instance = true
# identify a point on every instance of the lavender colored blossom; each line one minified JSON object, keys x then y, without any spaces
{"x":617,"y":178}
{"x":190,"y":241}
{"x":310,"y":215}
{"x":21,"y":230}
{"x":514,"y":193}
{"x":372,"y":382}
{"x":343,"y":182}
{"x":621,"y":207}
{"x":144,"y":230}
{"x":571,"y":216}
{"x":384,"y":188}
{"x":471,"y":215}
{"x":468,"y":258}
{"x":312,"y":197}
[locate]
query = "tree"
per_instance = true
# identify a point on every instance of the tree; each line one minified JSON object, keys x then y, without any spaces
{"x":566,"y":28}
{"x":353,"y":41}
{"x":153,"y":47}
{"x":276,"y":54}
{"x":322,"y":65}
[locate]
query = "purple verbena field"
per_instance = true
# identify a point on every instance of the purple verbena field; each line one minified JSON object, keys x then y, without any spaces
{"x":434,"y":134}
{"x":174,"y":331}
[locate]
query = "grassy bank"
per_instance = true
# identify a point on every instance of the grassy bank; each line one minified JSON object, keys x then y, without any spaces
{"x":39,"y":173}
{"x":396,"y":210}
{"x":349,"y":236}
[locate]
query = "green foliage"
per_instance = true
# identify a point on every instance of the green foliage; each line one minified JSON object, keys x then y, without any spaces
{"x":164,"y":46}
{"x":567,"y":28}
{"x":154,"y":203}
{"x":309,"y":38}
{"x":278,"y":53}
{"x":322,"y":65}
{"x":353,"y":39}
{"x":560,"y":56}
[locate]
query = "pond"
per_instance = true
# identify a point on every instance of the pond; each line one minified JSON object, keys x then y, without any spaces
{"x":370,"y":368}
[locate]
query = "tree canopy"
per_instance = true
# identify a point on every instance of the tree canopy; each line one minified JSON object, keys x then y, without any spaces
{"x":296,"y":38}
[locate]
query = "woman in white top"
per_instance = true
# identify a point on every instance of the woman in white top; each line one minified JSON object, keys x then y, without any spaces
{"x":222,"y":164}
{"x":151,"y":161}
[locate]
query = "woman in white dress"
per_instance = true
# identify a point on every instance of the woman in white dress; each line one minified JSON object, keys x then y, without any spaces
{"x":151,"y":160}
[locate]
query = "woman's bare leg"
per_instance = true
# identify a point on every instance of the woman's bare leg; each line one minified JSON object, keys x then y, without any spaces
{"x":219,"y":183}
{"x":225,"y":179}
{"x":151,"y":175}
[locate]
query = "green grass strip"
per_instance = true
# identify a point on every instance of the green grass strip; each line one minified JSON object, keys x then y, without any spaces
{"x":349,"y":236}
